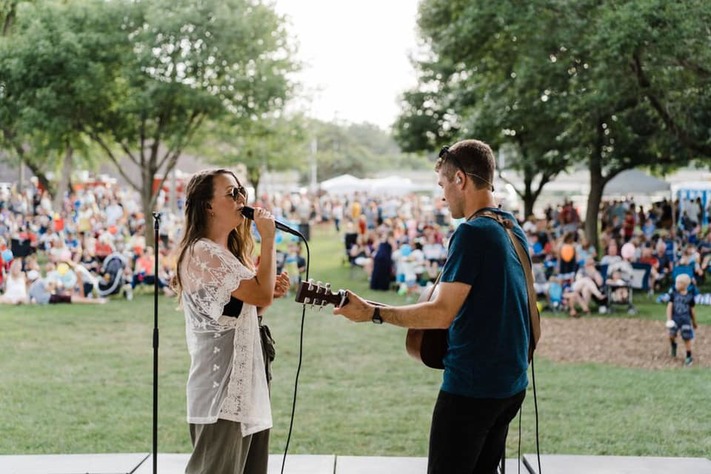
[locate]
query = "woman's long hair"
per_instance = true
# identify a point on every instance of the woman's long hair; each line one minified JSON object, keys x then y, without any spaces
{"x":199,"y":193}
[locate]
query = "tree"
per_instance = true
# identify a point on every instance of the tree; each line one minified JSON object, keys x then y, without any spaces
{"x":145,"y":76}
{"x":564,"y":84}
{"x":623,"y":122}
{"x":12,"y":138}
{"x":272,"y":143}
{"x":55,"y":69}
{"x":185,"y":62}
{"x":488,"y":75}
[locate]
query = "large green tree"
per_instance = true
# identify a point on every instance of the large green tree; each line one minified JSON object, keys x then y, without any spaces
{"x":559,"y":84}
{"x":55,"y":68}
{"x":189,"y":61}
{"x":618,"y":123}
{"x":488,"y":76}
{"x":146,"y":75}
{"x":15,"y":139}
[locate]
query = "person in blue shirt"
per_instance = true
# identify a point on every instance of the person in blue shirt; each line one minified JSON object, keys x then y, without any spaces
{"x":482,"y":301}
{"x":681,"y":316}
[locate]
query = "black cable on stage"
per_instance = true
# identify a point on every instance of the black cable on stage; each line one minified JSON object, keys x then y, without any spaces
{"x":535,"y":407}
{"x":301,"y":355}
{"x":520,"y":416}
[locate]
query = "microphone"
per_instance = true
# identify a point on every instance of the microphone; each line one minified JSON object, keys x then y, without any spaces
{"x":248,"y":212}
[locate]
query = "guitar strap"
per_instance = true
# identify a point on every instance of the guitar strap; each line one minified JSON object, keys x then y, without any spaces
{"x":432,"y":288}
{"x":534,"y":315}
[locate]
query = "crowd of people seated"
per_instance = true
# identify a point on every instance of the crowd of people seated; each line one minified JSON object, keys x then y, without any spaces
{"x":94,"y":246}
{"x":91,"y":248}
{"x":400,"y":245}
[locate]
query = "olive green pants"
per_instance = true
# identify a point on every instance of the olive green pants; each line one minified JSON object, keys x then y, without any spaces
{"x":220,"y":448}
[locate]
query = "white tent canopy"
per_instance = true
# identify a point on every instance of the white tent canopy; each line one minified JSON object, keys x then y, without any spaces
{"x":348,"y":184}
{"x":391,"y":185}
{"x":344,"y":184}
{"x":634,"y":181}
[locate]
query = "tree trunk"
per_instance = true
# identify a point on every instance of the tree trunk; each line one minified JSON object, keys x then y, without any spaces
{"x":64,"y":178}
{"x":597,"y":185}
{"x":591,"y":214}
{"x":9,"y":19}
{"x":254,"y":175}
{"x":529,"y":197}
{"x":148,"y":201}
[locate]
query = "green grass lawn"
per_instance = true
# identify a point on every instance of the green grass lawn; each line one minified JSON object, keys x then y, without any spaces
{"x":78,"y":379}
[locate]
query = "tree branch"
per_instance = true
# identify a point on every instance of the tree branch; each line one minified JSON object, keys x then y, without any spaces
{"x":110,"y":154}
{"x":676,"y":129}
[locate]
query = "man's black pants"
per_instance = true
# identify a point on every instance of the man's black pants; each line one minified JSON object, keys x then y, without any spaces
{"x":468,"y":435}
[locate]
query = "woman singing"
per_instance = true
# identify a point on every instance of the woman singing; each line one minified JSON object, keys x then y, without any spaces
{"x":223,"y":295}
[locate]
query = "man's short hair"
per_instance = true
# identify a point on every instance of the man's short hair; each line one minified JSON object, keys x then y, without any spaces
{"x":473,"y":157}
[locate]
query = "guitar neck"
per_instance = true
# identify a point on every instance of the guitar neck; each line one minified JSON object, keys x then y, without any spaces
{"x":320,"y":294}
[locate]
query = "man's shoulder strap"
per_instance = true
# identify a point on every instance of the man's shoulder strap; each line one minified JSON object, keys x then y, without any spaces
{"x":524,"y":260}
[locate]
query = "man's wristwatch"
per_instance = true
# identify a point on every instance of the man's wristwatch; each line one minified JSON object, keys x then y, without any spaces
{"x":377,"y":319}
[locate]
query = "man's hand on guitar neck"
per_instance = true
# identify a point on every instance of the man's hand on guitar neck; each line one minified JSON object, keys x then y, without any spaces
{"x":437,"y":313}
{"x":357,"y":309}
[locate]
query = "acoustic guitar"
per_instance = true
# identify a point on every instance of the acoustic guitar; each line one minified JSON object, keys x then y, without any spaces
{"x":428,"y":346}
{"x":425,"y":345}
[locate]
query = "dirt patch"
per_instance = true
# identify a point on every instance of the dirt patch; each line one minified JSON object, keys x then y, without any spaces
{"x":622,"y":342}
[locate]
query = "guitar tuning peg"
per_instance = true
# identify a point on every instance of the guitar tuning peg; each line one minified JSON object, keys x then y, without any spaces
{"x":307,"y":300}
{"x":328,"y":287}
{"x":319,"y":284}
{"x":311,"y":282}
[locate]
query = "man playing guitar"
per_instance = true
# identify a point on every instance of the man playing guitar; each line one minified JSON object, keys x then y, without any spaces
{"x":482,"y":302}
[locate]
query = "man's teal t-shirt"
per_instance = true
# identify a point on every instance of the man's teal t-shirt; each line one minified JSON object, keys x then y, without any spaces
{"x":489,"y":337}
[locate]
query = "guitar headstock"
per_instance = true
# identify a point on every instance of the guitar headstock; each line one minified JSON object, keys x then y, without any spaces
{"x":319,"y":294}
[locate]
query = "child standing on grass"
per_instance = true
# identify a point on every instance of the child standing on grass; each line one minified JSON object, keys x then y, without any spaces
{"x":681,"y":316}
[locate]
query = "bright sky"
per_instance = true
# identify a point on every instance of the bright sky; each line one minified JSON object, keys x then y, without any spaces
{"x":355,"y":56}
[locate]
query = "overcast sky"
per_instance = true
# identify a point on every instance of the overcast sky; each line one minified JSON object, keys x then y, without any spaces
{"x":355,"y":55}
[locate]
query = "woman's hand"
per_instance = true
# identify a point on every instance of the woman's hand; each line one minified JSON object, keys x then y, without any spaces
{"x":281,"y":286}
{"x":264,"y":221}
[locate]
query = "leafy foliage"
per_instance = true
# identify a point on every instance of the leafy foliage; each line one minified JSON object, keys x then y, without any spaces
{"x":140,"y":78}
{"x":609,"y":84}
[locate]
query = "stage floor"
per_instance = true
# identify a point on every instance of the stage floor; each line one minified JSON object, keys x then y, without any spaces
{"x":141,"y":463}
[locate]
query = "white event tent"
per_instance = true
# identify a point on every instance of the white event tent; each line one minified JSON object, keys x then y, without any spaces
{"x":347,"y":184}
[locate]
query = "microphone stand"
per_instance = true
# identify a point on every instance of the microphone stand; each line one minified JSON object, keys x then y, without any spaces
{"x":156,"y":239}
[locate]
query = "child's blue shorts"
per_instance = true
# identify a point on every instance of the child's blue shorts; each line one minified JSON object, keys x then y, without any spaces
{"x":686,"y":329}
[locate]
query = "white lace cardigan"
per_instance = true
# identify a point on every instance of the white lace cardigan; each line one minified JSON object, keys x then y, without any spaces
{"x":227,"y":377}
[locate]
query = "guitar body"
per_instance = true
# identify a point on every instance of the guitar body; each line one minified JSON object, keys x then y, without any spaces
{"x":428,"y":346}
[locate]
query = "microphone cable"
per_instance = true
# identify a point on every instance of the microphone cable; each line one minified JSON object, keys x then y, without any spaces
{"x":538,"y":441}
{"x":301,"y":356}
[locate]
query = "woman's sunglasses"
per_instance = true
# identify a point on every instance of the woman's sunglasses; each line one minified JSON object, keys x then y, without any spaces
{"x":235,"y":193}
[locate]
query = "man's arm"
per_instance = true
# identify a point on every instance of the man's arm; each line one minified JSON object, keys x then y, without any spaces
{"x":435,"y":314}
